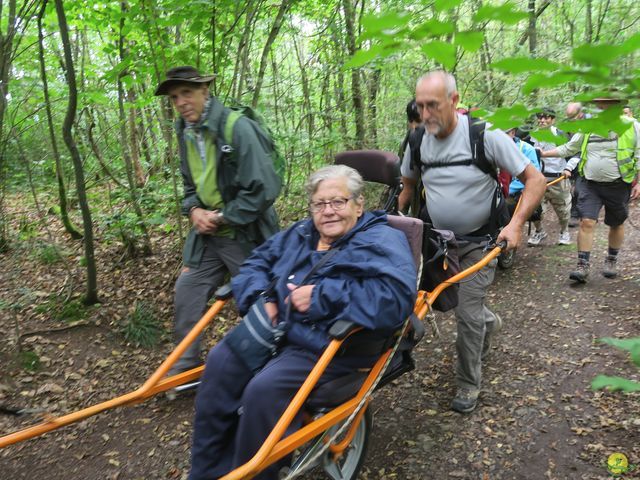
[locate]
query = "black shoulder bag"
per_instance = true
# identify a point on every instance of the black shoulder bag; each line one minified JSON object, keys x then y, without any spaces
{"x":255,"y":340}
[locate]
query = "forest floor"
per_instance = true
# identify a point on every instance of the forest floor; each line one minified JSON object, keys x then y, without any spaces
{"x":537,"y":418}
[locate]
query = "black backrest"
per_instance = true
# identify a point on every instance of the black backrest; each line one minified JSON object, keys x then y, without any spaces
{"x":374,"y":165}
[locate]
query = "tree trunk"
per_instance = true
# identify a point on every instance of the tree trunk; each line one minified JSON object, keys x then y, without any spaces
{"x":133,"y":133}
{"x":62,"y":189}
{"x":533,"y":39}
{"x":91,"y":296}
{"x":356,"y":89}
{"x":6,"y":54}
{"x":374,"y":87}
{"x":275,"y":29}
{"x":588,"y":23}
{"x":126,"y":153}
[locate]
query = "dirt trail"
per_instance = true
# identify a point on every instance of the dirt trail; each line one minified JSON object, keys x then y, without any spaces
{"x":537,"y":419}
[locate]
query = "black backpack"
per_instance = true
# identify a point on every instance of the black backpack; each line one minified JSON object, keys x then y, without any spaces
{"x":499,"y":216}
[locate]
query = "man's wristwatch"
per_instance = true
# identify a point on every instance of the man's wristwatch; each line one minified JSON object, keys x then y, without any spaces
{"x":220,"y":218}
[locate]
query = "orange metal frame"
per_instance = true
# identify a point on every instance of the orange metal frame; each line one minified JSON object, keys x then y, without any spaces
{"x":274,"y":447}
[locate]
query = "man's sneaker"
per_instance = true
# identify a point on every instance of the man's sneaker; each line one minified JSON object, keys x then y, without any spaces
{"x":581,"y":273}
{"x":536,"y":238}
{"x":465,"y":400}
{"x":488,"y":336}
{"x":564,"y":238}
{"x":610,"y":269}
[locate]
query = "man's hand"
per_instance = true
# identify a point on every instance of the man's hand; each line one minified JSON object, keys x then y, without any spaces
{"x":635,"y":191}
{"x":404,"y":199}
{"x":300,"y":297}
{"x":566,"y":173}
{"x":204,"y":221}
{"x":511,"y":234}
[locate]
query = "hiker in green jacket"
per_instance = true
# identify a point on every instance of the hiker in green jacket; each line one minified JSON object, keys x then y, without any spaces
{"x":229,"y":188}
{"x":608,"y":167}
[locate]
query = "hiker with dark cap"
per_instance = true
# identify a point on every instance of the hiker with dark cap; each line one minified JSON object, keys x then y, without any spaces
{"x":413,"y":139}
{"x":557,"y":195}
{"x":608,"y":167}
{"x":229,"y":188}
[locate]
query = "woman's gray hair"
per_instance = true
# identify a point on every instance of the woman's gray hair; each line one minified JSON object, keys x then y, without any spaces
{"x":355,"y":184}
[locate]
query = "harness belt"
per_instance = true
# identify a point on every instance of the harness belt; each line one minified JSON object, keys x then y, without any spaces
{"x":552,"y":175}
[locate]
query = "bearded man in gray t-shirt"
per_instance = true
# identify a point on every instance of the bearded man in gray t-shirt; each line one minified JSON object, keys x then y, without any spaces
{"x":459,"y":198}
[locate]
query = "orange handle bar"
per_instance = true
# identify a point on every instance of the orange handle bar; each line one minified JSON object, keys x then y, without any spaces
{"x":153,"y":385}
{"x":431,"y":296}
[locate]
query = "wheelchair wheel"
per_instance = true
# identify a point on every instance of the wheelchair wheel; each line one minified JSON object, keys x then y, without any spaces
{"x":507,"y":259}
{"x":347,"y":466}
{"x":306,"y":460}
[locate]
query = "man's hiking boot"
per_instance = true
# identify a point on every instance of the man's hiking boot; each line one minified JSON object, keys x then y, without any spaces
{"x":465,"y":400}
{"x":564,"y":238}
{"x":537,"y":238}
{"x":488,"y":336}
{"x":610,"y":269}
{"x":581,"y":273}
{"x":172,"y":393}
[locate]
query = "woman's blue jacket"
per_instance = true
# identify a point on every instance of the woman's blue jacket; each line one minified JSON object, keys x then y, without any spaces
{"x":370,"y":281}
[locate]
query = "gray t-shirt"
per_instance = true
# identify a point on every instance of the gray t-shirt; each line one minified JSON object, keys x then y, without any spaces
{"x":459,"y":197}
{"x":601,"y":164}
{"x":551,"y":164}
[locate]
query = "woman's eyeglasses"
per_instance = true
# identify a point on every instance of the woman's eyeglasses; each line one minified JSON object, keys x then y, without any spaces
{"x":336,"y":204}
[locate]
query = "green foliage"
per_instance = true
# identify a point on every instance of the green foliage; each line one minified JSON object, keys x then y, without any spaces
{"x":142,"y":326}
{"x":69,"y":312}
{"x":505,"y":13}
{"x":27,"y":229}
{"x":29,"y":360}
{"x":631,"y":345}
{"x":48,"y":254}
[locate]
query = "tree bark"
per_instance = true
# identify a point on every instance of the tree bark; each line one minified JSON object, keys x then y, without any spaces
{"x":374,"y":87}
{"x":588,"y":23}
{"x":126,"y":153}
{"x":91,"y":296}
{"x":533,"y":38}
{"x":17,"y":21}
{"x":275,"y":29}
{"x":62,"y":189}
{"x":356,"y":88}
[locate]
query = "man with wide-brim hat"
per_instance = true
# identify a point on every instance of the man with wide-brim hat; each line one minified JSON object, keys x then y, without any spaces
{"x":229,"y":189}
{"x":608,"y":170}
{"x":179,"y":75}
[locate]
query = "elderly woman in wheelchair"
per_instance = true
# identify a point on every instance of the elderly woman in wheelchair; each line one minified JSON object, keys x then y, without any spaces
{"x":341,"y":264}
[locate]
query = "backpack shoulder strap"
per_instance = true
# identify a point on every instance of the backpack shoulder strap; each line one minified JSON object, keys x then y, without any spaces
{"x":415,"y":140}
{"x":228,"y":120}
{"x":476,"y":140}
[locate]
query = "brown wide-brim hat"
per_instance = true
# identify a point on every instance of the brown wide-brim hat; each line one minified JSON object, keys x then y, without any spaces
{"x":185,"y":74}
{"x":607,"y":100}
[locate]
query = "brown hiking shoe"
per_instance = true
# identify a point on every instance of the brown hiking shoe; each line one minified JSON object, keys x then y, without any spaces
{"x":610,"y":269}
{"x":581,"y":273}
{"x":465,"y":400}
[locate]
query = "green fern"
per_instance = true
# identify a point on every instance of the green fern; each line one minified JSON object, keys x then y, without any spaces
{"x":142,"y":327}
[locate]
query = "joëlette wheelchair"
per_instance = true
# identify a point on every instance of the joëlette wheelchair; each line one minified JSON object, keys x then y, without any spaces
{"x":338,"y":422}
